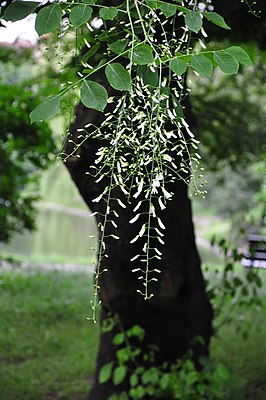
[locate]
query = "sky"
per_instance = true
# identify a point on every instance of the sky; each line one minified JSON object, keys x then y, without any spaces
{"x":23,"y":29}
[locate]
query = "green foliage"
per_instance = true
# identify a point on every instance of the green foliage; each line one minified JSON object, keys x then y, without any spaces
{"x":216,"y":19}
{"x":48,"y":19}
{"x":231,"y":119}
{"x":118,"y":76}
{"x":80,"y":14}
{"x":46,"y":110}
{"x":201,"y":64}
{"x":19,"y":10}
{"x":93,"y":95}
{"x":193,"y":21}
{"x":50,"y":309}
{"x":26,"y":150}
{"x":178,"y":380}
{"x":226,"y":62}
{"x":141,"y":50}
{"x":108,"y":13}
{"x":233,"y":294}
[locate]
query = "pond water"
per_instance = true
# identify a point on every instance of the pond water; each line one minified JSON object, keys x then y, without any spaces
{"x":61,"y":236}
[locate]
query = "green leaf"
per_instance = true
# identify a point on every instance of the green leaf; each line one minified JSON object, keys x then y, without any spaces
{"x":216,"y":19}
{"x":105,"y":372}
{"x":222,"y":372}
{"x":80,"y":14}
{"x":201,"y":64}
{"x":118,"y":76}
{"x":226,"y":62}
{"x":119,"y":374}
{"x":93,"y":95}
{"x":178,"y":66}
{"x":133,"y":380}
{"x":119,"y":338}
{"x":19,"y":10}
{"x":192,"y":377}
{"x":108,"y":13}
{"x":47,"y":109}
{"x":168,"y":9}
{"x":142,"y":55}
{"x":240,"y":54}
{"x":90,"y":53}
{"x":154,"y":4}
{"x":184,"y":57}
{"x":118,"y":46}
{"x":165,"y":381}
{"x":136,"y":331}
{"x":149,"y":77}
{"x":48,"y":19}
{"x":193,"y":21}
{"x":178,"y":108}
{"x":123,"y":355}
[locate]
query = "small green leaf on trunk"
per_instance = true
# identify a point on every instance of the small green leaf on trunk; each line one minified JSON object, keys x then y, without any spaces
{"x":119,"y":374}
{"x":105,"y":372}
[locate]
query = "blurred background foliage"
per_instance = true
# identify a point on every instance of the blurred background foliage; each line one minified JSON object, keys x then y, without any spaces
{"x":26,"y":150}
{"x":231,"y":126}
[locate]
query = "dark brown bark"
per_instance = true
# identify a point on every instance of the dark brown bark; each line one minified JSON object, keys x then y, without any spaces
{"x":179,"y":311}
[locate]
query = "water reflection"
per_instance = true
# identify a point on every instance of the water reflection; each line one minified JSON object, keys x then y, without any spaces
{"x":62,"y":236}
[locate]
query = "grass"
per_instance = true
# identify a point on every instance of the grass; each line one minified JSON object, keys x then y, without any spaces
{"x":48,"y":348}
{"x":240,"y":343}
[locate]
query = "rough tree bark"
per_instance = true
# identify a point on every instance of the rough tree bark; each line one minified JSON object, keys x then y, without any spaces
{"x":179,"y":311}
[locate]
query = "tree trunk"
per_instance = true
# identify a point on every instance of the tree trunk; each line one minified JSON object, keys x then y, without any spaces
{"x":179,"y":311}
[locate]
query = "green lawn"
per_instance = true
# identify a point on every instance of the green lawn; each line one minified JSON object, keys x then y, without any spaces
{"x":48,"y":347}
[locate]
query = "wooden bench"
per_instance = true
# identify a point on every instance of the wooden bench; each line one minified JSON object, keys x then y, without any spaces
{"x":256,"y":256}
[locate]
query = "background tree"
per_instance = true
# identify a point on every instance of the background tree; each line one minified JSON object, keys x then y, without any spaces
{"x":26,"y":149}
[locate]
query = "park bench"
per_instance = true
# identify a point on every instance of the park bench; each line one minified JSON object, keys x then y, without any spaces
{"x":256,"y":256}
